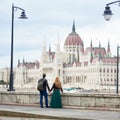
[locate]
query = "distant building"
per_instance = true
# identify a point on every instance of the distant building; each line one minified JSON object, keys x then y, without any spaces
{"x":93,"y":67}
{"x":26,"y":74}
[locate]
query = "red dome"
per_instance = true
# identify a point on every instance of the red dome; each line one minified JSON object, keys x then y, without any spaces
{"x":73,"y":39}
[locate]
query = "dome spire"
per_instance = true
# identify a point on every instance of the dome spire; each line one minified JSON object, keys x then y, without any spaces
{"x":108,"y":48}
{"x":73,"y":28}
{"x":91,"y":45}
{"x":99,"y":44}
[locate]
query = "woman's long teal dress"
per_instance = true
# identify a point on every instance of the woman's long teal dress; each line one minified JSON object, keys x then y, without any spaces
{"x":56,"y":101}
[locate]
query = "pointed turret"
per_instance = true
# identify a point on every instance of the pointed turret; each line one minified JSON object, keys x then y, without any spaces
{"x":50,"y":54}
{"x":43,"y":57}
{"x":73,"y":28}
{"x":108,"y":50}
{"x":91,"y":52}
{"x":91,"y":44}
{"x":58,"y":60}
{"x":99,"y":44}
{"x":99,"y":55}
{"x":58,"y":46}
{"x":18,"y":62}
{"x":23,"y":61}
{"x":49,"y":49}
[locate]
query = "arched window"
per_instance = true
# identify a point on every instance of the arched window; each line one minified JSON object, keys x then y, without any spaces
{"x":104,"y":70}
{"x":70,"y":58}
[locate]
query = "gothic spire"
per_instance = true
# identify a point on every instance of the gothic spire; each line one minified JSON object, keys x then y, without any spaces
{"x":99,"y":44}
{"x":91,"y":52}
{"x":23,"y":61}
{"x":18,"y":62}
{"x":49,"y":49}
{"x":73,"y":28}
{"x":91,"y":44}
{"x":108,"y":48}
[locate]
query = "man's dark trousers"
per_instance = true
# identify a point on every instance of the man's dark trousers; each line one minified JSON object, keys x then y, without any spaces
{"x":45,"y":94}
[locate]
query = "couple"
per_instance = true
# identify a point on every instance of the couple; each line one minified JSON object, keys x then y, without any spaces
{"x":55,"y":101}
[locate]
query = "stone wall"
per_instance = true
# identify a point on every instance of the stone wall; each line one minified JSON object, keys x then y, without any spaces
{"x":71,"y":99}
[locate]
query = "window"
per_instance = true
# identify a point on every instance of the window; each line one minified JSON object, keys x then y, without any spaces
{"x":111,"y":70}
{"x":104,"y":70}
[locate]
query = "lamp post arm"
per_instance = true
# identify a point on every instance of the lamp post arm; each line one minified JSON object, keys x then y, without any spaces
{"x":15,"y":7}
{"x":113,"y":2}
{"x":19,"y":8}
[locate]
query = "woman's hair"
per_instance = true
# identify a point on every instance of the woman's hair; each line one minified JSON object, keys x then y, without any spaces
{"x":57,"y":82}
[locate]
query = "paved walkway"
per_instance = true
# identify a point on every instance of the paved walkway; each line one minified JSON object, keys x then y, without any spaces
{"x":58,"y":114}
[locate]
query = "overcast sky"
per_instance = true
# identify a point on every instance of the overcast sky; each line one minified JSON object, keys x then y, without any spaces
{"x":51,"y":20}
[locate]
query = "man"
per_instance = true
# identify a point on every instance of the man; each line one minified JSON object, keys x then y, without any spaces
{"x":44,"y":91}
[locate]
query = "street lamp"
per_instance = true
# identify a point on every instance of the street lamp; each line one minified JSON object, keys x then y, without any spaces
{"x":23,"y":16}
{"x":107,"y":12}
{"x":107,"y":15}
{"x":117,"y":89}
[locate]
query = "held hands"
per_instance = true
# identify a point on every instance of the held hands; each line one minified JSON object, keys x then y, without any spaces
{"x":50,"y":90}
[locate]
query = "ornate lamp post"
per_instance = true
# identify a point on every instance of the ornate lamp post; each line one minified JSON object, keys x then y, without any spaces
{"x":23,"y":16}
{"x":107,"y":15}
{"x":107,"y":12}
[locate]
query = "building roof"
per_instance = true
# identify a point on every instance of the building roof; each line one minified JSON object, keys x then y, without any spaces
{"x":73,"y":39}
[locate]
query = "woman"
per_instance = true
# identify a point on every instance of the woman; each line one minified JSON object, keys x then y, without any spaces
{"x":56,"y":101}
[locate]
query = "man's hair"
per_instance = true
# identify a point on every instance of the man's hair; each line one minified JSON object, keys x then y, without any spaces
{"x":44,"y":75}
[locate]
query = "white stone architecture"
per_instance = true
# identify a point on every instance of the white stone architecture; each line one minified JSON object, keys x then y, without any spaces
{"x":90,"y":68}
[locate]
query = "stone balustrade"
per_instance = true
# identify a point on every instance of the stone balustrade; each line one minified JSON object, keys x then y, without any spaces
{"x":68,"y":99}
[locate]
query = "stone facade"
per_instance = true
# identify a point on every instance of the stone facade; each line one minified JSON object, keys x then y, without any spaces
{"x":90,"y":68}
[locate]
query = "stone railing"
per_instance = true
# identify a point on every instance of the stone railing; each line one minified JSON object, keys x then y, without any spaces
{"x":68,"y":99}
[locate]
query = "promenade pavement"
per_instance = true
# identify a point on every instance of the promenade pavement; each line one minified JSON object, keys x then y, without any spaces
{"x":58,"y":114}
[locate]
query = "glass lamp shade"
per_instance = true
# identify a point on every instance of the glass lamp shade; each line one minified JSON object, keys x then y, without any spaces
{"x":107,"y":13}
{"x":23,"y":16}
